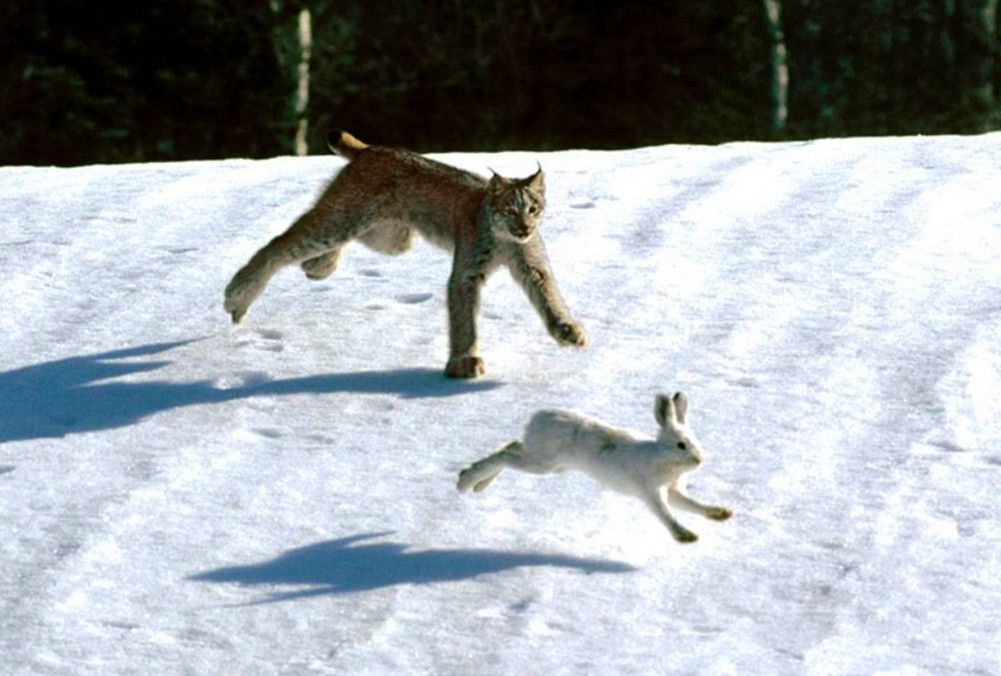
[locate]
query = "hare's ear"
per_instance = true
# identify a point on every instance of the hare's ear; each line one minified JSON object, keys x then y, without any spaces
{"x":681,"y":407}
{"x":663,"y":410}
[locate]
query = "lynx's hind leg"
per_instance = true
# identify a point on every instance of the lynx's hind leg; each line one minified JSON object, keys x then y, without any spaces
{"x":306,"y":239}
{"x":479,"y":475}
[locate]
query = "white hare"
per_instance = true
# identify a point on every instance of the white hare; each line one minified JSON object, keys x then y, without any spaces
{"x":556,"y":441}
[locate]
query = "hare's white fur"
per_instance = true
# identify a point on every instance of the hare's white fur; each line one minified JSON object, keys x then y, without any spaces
{"x":557,"y":441}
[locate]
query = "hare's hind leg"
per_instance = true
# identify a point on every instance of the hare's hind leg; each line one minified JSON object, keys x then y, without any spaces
{"x":479,"y":475}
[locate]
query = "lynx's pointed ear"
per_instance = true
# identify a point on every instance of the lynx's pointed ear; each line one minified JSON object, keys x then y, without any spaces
{"x":537,"y":181}
{"x":681,"y":407}
{"x":497,"y":182}
{"x":663,"y":410}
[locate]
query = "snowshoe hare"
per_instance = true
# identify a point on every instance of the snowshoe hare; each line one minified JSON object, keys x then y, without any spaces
{"x":556,"y":441}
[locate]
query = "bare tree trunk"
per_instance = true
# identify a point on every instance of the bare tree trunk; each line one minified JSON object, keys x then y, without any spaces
{"x":983,"y":26}
{"x":780,"y":66}
{"x":302,"y":94}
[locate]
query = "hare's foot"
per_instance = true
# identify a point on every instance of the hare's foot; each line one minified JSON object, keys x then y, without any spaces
{"x":684,"y":536}
{"x":477,"y":477}
{"x":718,"y":513}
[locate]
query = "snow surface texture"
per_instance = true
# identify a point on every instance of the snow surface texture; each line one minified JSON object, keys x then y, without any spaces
{"x":178,"y":495}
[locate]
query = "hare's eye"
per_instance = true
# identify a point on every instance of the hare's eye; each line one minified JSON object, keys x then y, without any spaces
{"x":681,"y":445}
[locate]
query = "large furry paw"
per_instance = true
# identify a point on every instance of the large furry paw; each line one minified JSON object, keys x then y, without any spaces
{"x":466,"y":366}
{"x":569,"y":333}
{"x":718,"y":513}
{"x":320,"y":267}
{"x":239,"y":296}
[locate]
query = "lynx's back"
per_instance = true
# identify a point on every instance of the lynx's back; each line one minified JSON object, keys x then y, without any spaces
{"x":391,"y":185}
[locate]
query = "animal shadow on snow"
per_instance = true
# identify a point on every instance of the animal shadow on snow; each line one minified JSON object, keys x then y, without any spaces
{"x":79,"y":394}
{"x":344,"y":566}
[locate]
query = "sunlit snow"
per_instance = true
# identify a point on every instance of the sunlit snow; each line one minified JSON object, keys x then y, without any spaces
{"x":178,"y":495}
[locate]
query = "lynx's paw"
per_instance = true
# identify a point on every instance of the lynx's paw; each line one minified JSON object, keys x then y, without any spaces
{"x":466,"y":366}
{"x":321,"y":267}
{"x":240,"y":293}
{"x":569,"y":333}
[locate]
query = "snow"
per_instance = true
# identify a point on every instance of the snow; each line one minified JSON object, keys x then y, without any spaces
{"x":183,"y":496}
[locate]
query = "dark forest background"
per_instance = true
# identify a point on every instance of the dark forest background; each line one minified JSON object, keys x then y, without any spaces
{"x":106,"y":81}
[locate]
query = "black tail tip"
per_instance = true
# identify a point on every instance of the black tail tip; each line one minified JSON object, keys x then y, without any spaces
{"x":333,"y":138}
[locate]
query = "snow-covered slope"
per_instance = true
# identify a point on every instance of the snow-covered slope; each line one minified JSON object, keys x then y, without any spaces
{"x":181,"y":496}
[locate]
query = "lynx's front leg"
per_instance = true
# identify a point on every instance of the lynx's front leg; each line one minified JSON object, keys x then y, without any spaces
{"x":530,"y":268}
{"x":463,"y":301}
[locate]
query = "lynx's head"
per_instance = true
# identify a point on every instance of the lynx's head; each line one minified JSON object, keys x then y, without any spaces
{"x":516,"y":205}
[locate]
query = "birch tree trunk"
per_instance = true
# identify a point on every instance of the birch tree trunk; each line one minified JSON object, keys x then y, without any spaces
{"x":780,"y":66}
{"x":302,"y":93}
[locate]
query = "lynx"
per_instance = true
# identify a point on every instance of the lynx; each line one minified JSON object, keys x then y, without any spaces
{"x":382,"y":198}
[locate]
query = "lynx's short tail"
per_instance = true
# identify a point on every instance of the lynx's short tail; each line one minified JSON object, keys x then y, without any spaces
{"x":344,"y":144}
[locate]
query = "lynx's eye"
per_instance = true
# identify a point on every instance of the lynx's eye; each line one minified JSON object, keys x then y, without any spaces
{"x":681,"y":445}
{"x":533,"y":209}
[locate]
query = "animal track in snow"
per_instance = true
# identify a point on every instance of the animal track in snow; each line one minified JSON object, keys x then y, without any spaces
{"x":241,"y":379}
{"x":404,"y":299}
{"x":414,"y":298}
{"x":262,"y":339}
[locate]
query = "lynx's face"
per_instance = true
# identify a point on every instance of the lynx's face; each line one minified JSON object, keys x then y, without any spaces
{"x":517,"y":206}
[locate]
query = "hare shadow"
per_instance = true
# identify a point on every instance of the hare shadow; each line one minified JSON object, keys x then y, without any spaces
{"x":79,"y":394}
{"x":351,"y":565}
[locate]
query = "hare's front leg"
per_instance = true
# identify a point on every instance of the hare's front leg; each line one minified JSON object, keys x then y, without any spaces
{"x":678,"y":499}
{"x":655,"y":501}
